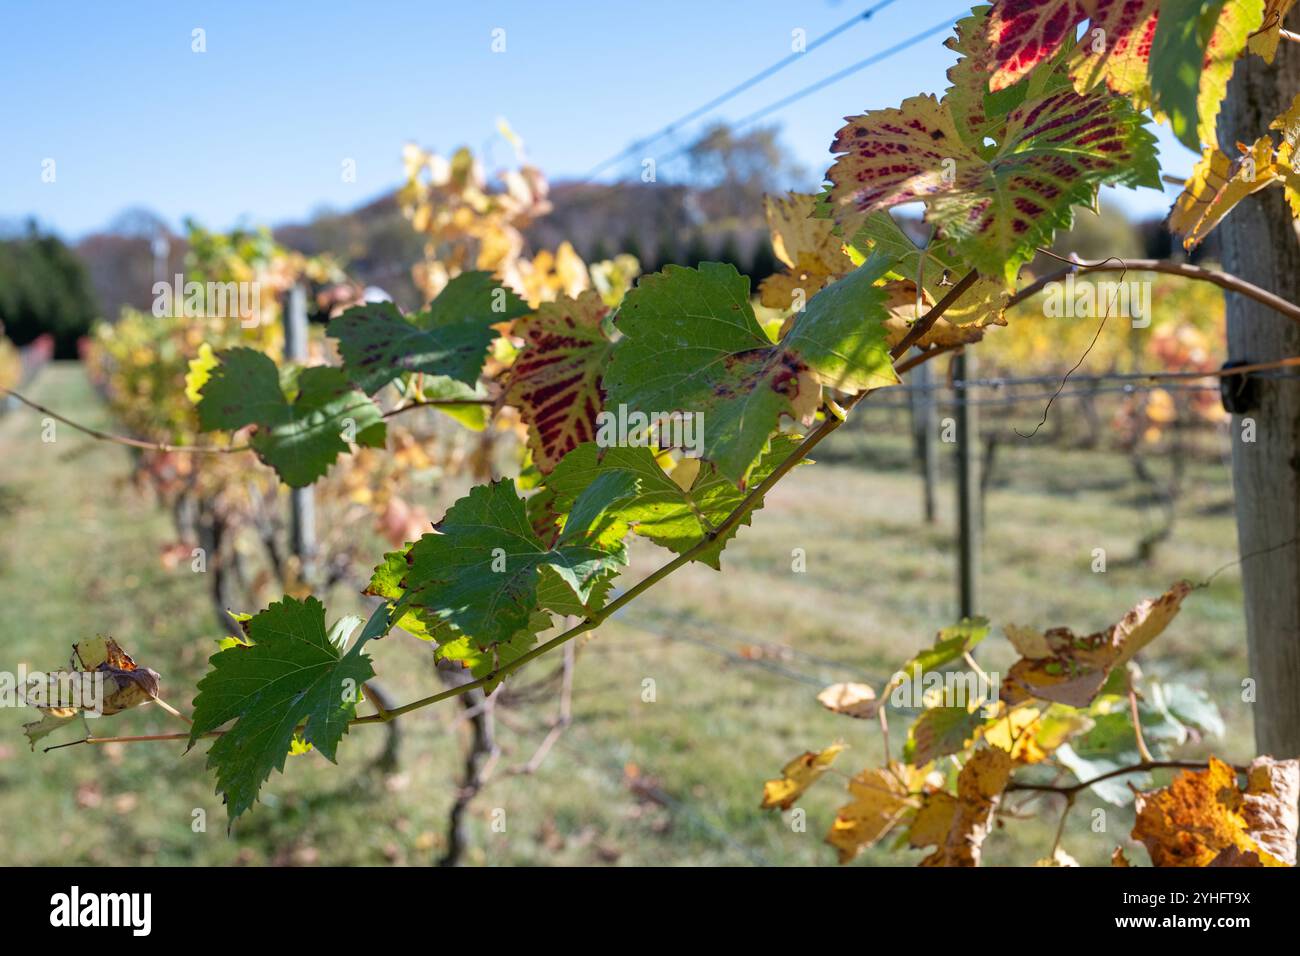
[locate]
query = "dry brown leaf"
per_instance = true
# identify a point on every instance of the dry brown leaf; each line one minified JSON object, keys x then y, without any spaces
{"x":1201,"y":814}
{"x":979,"y":788}
{"x":125,"y":685}
{"x":1269,"y":806}
{"x":1060,"y":666}
{"x":851,"y":699}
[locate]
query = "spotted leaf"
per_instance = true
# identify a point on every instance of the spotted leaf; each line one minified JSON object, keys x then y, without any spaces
{"x":556,"y":380}
{"x":996,"y":205}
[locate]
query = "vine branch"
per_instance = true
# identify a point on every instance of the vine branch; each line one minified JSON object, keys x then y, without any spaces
{"x":1145,"y":765}
{"x":1224,"y":280}
{"x":830,"y":423}
{"x":123,"y":439}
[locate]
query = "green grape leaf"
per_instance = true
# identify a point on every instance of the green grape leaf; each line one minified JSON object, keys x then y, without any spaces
{"x":241,"y":389}
{"x":555,"y":380}
{"x":480,"y":570}
{"x":480,"y":657}
{"x":291,"y":680}
{"x":654,"y":505}
{"x":997,"y":205}
{"x":482,"y":660}
{"x":450,"y":338}
{"x":299,"y":439}
{"x":1193,"y":53}
{"x":691,"y":344}
{"x":949,"y":645}
{"x":940,"y":731}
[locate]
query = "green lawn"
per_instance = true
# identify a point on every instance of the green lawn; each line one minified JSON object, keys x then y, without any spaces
{"x":736,"y":659}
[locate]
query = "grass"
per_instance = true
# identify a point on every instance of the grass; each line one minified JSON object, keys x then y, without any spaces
{"x":735,"y":659}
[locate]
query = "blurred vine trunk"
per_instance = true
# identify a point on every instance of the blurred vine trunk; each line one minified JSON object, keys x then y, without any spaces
{"x":1260,"y":245}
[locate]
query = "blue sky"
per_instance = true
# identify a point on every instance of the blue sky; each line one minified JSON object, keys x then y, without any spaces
{"x":256,"y":129}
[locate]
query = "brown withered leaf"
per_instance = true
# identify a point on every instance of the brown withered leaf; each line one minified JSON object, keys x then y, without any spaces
{"x":125,"y":685}
{"x":1059,"y":665}
{"x":1269,"y":806}
{"x":1200,"y":818}
{"x":851,"y":699}
{"x":979,"y":788}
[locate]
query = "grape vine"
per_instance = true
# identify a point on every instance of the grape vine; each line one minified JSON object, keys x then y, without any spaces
{"x":1048,"y":102}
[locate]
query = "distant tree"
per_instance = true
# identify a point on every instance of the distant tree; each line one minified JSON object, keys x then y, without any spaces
{"x":666,"y":253}
{"x":729,"y":251}
{"x":763,"y":261}
{"x":44,"y":287}
{"x":734,"y":170}
{"x":1098,"y":235}
{"x":697,"y":250}
{"x":632,"y":246}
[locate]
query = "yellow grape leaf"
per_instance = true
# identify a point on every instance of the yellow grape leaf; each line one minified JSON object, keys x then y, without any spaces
{"x":1116,"y":47}
{"x":1199,"y":819}
{"x":979,"y":788}
{"x":1264,"y":41}
{"x":932,"y":822}
{"x":981,"y":307}
{"x":200,"y":370}
{"x":1060,"y":666}
{"x":1216,"y":185}
{"x":1288,"y":154}
{"x":1017,"y":733}
{"x":811,"y":252}
{"x":797,"y":776}
{"x":880,"y":798}
{"x":851,"y":699}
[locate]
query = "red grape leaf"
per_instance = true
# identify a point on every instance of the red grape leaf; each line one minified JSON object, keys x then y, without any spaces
{"x":556,"y":380}
{"x":997,"y":204}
